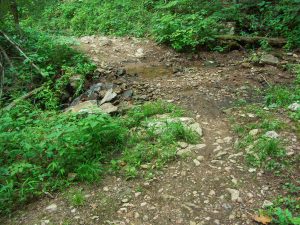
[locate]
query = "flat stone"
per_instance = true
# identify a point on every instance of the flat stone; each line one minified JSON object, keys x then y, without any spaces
{"x":254,"y":132}
{"x":182,"y":144}
{"x":108,"y":108}
{"x":269,"y":59}
{"x":235,"y":195}
{"x":196,"y":127}
{"x":182,"y":152}
{"x":200,"y":158}
{"x":127,"y":94}
{"x":196,"y":162}
{"x":51,"y":208}
{"x":87,"y":106}
{"x":267,"y":203}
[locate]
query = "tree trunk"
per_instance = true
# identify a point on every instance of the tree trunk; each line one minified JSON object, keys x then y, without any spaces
{"x":15,"y":13}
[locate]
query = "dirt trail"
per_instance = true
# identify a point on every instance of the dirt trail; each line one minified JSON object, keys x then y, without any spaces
{"x":220,"y":189}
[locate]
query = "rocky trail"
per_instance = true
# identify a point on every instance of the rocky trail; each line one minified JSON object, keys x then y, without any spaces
{"x":212,"y":185}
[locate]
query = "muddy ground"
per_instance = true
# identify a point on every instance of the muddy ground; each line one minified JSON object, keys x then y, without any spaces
{"x":205,"y":84}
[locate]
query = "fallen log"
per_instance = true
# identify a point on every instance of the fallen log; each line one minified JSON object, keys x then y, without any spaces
{"x":253,"y":40}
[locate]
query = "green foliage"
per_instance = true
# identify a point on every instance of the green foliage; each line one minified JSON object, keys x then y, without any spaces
{"x":140,"y":113}
{"x":183,"y":24}
{"x":57,"y":61}
{"x":282,"y":96}
{"x":89,"y":17}
{"x":46,"y":150}
{"x":38,"y":150}
{"x":267,"y":152}
{"x":185,"y":31}
{"x":286,"y":209}
{"x":76,"y":197}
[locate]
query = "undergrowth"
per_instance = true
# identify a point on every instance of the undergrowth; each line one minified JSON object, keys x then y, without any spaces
{"x":184,"y":24}
{"x":57,"y":62}
{"x":44,"y":151}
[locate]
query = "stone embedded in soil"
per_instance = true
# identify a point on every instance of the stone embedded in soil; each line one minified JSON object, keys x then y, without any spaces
{"x":294,"y":107}
{"x":196,"y":127}
{"x":271,"y":134}
{"x":235,"y":195}
{"x":182,"y":152}
{"x":182,"y":144}
{"x":254,"y":132}
{"x":51,"y":208}
{"x":84,"y":107}
{"x":196,"y":162}
{"x":267,"y":203}
{"x":269,"y":59}
{"x":108,"y":108}
{"x":139,"y":53}
{"x":212,"y":193}
{"x":105,"y":189}
{"x":200,"y":158}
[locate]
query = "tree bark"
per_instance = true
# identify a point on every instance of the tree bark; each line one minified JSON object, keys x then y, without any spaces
{"x":15,"y":13}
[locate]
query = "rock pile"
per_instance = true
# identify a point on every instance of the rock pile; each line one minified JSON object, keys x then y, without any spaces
{"x":102,"y":97}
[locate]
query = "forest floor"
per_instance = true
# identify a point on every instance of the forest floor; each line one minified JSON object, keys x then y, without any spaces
{"x":213,"y":185}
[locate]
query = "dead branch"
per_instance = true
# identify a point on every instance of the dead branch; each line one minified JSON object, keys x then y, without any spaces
{"x":2,"y":51}
{"x":253,"y":40}
{"x":23,"y":97}
{"x":22,"y":53}
{"x":1,"y":76}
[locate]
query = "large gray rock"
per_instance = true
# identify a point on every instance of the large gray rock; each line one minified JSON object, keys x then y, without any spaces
{"x":269,"y":59}
{"x":110,"y":95}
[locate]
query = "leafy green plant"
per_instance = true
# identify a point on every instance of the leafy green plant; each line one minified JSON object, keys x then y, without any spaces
{"x":184,"y":31}
{"x":285,"y":210}
{"x":76,"y":197}
{"x":267,"y":152}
